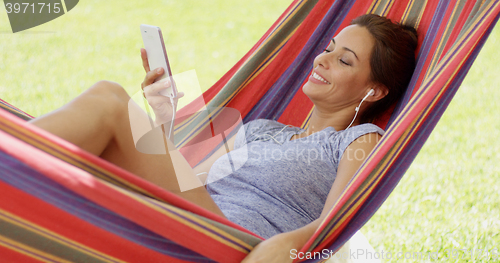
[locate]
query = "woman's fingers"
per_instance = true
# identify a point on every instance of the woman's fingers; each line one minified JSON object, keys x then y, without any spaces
{"x":155,"y":88}
{"x":156,"y":102}
{"x":151,"y":76}
{"x":145,"y":62}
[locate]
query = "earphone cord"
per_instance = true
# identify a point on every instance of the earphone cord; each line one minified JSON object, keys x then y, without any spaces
{"x":272,"y":136}
{"x":174,"y":106}
{"x":357,"y":108}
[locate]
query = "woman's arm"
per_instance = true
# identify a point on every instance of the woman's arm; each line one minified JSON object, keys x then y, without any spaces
{"x":159,"y":104}
{"x":278,"y":248}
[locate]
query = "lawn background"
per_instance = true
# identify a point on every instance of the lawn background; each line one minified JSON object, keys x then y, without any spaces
{"x":448,"y":199}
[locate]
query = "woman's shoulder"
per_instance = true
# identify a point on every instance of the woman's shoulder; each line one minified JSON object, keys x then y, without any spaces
{"x":258,"y":128}
{"x":338,"y":141}
{"x":350,"y":135}
{"x":362,"y":129}
{"x":262,"y":125}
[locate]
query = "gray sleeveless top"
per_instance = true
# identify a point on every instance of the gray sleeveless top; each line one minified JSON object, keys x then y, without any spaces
{"x":269,"y":184}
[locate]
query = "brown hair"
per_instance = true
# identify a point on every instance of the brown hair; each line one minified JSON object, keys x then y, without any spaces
{"x":392,"y":60}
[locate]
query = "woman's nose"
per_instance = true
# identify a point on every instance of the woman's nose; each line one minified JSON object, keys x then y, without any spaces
{"x":324,"y":59}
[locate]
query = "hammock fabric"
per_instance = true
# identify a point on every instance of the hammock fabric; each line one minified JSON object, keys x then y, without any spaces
{"x":64,"y":204}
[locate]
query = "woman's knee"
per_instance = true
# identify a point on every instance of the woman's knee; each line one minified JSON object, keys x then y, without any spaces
{"x":109,"y":90}
{"x":109,"y":96}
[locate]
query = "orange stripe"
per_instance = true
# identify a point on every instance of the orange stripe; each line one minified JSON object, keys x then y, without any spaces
{"x":407,"y":135}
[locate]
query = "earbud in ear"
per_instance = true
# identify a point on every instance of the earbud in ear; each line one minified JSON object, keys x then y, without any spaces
{"x":370,"y":93}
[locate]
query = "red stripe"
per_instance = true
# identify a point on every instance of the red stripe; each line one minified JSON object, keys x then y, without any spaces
{"x":458,"y":26}
{"x":25,"y":156}
{"x":194,"y":157}
{"x":295,"y":114}
{"x":388,"y":141}
{"x":8,"y":255}
{"x":195,"y":150}
{"x":89,"y":187}
{"x":214,"y":90}
{"x":398,"y":9}
{"x":436,"y":40}
{"x":44,"y":215}
{"x":17,"y":109}
{"x":261,"y":83}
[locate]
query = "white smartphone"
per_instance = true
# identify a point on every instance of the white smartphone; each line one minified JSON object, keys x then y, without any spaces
{"x":157,"y":55}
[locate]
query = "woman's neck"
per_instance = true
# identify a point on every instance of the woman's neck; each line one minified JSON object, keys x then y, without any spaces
{"x":338,"y":120}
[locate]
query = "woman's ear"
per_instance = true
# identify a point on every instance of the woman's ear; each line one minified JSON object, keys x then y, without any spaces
{"x":379,"y":92}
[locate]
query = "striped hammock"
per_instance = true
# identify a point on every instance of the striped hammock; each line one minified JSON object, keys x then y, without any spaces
{"x":60,"y":203}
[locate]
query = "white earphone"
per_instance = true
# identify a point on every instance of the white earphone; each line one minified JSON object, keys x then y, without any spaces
{"x":370,"y":93}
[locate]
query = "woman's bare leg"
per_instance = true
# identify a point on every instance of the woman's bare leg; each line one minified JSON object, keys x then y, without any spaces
{"x":98,"y":121}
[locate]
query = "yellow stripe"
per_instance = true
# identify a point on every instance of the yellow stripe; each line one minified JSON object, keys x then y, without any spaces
{"x":407,"y":11}
{"x":399,"y":145}
{"x":166,"y":211}
{"x":419,"y":18}
{"x":29,"y":140}
{"x":261,"y":67}
{"x":295,"y":9}
{"x":287,"y":17}
{"x":6,"y":216}
{"x":305,"y":123}
{"x":28,"y":137}
{"x":410,"y":130}
{"x":29,"y":251}
{"x":452,"y":50}
{"x":442,"y":43}
{"x":373,"y":7}
{"x":281,"y":23}
{"x":387,"y":8}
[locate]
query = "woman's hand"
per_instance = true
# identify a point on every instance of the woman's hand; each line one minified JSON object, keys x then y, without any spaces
{"x":273,"y":250}
{"x":161,"y":105}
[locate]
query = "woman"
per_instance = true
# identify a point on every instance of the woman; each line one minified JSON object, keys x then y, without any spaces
{"x":363,"y":71}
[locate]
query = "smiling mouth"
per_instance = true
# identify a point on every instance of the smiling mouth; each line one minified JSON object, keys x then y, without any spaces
{"x":318,"y":77}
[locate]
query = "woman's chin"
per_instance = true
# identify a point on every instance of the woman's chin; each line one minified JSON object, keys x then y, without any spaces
{"x":312,"y":90}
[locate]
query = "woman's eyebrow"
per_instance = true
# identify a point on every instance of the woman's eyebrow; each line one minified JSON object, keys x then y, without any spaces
{"x":333,"y":40}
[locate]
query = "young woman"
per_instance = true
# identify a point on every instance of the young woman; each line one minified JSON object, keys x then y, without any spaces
{"x":280,"y":191}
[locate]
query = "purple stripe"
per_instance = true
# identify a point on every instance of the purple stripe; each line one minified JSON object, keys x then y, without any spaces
{"x":423,"y":54}
{"x":188,"y":137}
{"x":197,"y":224}
{"x":444,"y":64}
{"x":419,"y":137}
{"x":29,"y":252}
{"x":31,"y":228}
{"x":286,"y":18}
{"x":386,"y":9}
{"x":276,"y":99}
{"x":374,"y":6}
{"x":73,"y":161}
{"x":392,"y":177}
{"x":23,"y":177}
{"x":265,"y":62}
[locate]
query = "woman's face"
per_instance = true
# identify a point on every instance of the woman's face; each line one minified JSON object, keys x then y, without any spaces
{"x":341,"y":75}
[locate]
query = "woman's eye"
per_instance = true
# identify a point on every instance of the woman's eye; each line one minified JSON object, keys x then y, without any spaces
{"x":327,"y":51}
{"x":343,"y":62}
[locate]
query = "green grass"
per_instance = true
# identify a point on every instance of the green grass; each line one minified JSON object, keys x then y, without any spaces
{"x":448,"y":199}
